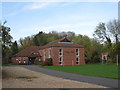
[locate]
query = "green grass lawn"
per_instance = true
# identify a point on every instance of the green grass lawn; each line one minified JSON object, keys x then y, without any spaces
{"x":99,"y":70}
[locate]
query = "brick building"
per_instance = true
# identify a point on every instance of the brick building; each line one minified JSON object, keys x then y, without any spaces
{"x":29,"y":55}
{"x":62,"y":51}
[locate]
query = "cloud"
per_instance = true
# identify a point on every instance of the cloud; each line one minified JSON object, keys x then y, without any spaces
{"x":68,"y":26}
{"x":23,"y":32}
{"x":36,"y":5}
{"x":80,"y":28}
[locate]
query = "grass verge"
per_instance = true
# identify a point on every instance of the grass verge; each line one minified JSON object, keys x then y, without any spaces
{"x":98,"y":70}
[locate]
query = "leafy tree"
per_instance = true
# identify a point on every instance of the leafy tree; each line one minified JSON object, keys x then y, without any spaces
{"x":110,"y":34}
{"x":92,"y":48}
{"x":5,"y":41}
{"x":102,"y":34}
{"x":70,"y":35}
{"x":14,"y":47}
{"x":96,"y":50}
{"x":114,"y":29}
{"x":114,"y":51}
{"x":53,"y":36}
{"x":26,"y":42}
{"x":40,"y":39}
{"x":106,"y":32}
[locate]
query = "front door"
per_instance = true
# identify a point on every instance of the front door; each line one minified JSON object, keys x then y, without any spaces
{"x":31,"y":60}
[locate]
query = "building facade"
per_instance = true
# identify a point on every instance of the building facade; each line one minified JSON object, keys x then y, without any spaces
{"x":27,"y":56}
{"x":62,"y":52}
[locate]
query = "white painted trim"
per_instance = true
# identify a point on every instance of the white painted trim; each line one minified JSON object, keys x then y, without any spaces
{"x":78,"y":59}
{"x":44,"y":54}
{"x":78,"y":52}
{"x":61,"y":60}
{"x":49,"y":53}
{"x":61,"y":51}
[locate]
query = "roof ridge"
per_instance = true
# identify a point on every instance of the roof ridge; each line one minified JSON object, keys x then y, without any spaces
{"x":28,"y":50}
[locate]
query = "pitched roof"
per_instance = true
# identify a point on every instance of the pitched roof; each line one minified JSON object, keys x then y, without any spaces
{"x":62,"y":43}
{"x":32,"y":51}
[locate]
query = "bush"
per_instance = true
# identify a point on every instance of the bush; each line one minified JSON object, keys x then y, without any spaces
{"x":48,"y":62}
{"x":38,"y":63}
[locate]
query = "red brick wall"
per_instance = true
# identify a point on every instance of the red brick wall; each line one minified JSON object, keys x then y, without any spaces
{"x":69,"y":55}
{"x":17,"y":61}
{"x":37,"y":59}
{"x":41,"y":53}
{"x":82,"y":61}
{"x":47,"y":53}
{"x":22,"y":61}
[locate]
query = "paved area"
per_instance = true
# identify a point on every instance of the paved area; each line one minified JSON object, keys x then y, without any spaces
{"x":112,"y":83}
{"x":20,"y":77}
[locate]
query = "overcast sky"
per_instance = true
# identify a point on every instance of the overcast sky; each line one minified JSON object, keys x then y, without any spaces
{"x":28,"y":18}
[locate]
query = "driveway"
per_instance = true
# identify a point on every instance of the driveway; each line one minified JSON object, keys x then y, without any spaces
{"x":15,"y":77}
{"x":112,"y":83}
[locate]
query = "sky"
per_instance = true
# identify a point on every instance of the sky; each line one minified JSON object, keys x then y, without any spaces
{"x":28,"y":18}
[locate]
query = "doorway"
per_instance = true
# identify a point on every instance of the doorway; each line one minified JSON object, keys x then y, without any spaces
{"x":31,"y":60}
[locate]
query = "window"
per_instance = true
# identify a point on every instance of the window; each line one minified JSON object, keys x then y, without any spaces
{"x":60,"y":52}
{"x":44,"y":54}
{"x":24,"y":59}
{"x":77,"y":52}
{"x":77,"y":60}
{"x":19,"y":59}
{"x":60,"y":60}
{"x":49,"y":53}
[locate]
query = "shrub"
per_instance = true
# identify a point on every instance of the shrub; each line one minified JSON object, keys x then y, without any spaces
{"x":48,"y":62}
{"x":38,"y":63}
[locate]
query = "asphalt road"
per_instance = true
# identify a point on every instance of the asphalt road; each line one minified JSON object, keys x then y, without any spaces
{"x":112,"y":83}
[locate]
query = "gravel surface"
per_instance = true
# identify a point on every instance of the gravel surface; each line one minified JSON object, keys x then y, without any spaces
{"x":19,"y":77}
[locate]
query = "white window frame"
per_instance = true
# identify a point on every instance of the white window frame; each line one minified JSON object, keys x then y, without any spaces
{"x":61,"y":60}
{"x":44,"y":54}
{"x":77,"y":52}
{"x":49,"y":53}
{"x":24,"y":59}
{"x":19,"y":59}
{"x":78,"y":60}
{"x":61,"y":52}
